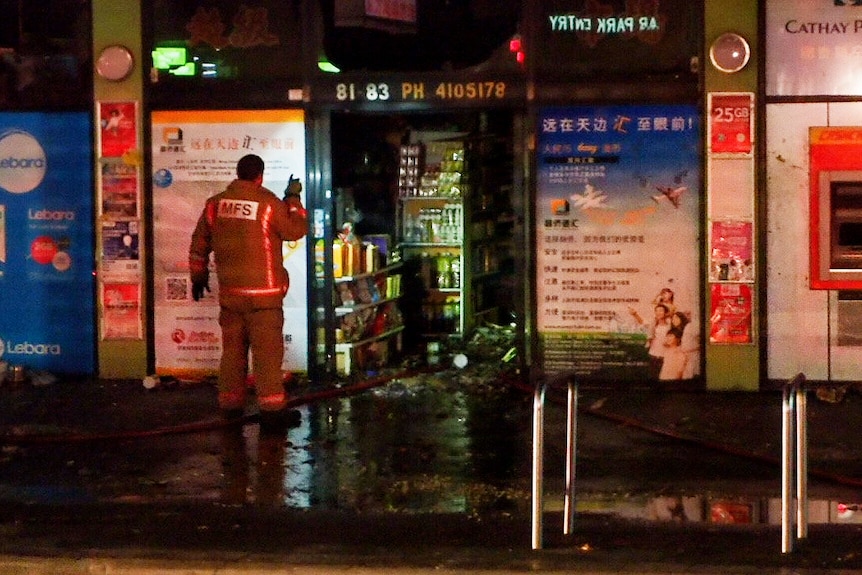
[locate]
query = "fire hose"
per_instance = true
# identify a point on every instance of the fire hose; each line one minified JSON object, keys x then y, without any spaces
{"x":381,"y":380}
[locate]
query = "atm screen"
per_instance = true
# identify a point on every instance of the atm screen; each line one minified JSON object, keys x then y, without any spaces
{"x":850,"y":235}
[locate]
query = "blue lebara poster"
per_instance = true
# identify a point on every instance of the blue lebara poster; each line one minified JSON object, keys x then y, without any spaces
{"x":618,"y":243}
{"x":47,"y":317}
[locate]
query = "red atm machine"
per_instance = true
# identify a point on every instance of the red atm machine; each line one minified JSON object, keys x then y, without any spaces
{"x":836,"y":208}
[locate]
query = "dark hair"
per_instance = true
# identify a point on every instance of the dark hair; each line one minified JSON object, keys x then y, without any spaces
{"x":683,"y":319}
{"x":676,"y":332}
{"x":249,"y":167}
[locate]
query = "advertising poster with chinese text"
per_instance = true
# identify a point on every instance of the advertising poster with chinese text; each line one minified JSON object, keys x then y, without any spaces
{"x":119,"y":190}
{"x":118,"y":128}
{"x":730,"y":313}
{"x":121,"y":311}
{"x":47,"y":301}
{"x":194,"y":157}
{"x":731,"y":254}
{"x":120,"y":250}
{"x":617,"y":232}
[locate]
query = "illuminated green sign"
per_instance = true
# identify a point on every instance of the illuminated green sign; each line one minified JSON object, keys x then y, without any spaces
{"x":603,"y":25}
{"x":166,"y":57}
{"x":187,"y":69}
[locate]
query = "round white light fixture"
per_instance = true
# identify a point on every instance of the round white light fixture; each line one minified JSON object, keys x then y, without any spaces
{"x":730,"y":52}
{"x":115,"y":63}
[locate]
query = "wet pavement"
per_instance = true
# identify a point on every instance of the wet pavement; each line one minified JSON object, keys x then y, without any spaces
{"x":414,"y":471}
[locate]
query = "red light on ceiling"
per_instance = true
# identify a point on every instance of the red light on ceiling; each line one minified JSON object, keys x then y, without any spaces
{"x":517,"y":49}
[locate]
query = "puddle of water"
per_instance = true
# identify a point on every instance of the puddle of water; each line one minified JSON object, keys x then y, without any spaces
{"x":707,"y":508}
{"x":402,"y":448}
{"x":411,"y":450}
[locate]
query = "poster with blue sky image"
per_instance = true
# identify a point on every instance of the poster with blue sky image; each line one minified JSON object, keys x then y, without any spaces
{"x":618,"y":227}
{"x":47,"y":317}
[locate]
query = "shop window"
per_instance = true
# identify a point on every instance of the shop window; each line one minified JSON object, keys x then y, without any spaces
{"x":446,"y":34}
{"x":45,"y":54}
{"x":226,"y":40}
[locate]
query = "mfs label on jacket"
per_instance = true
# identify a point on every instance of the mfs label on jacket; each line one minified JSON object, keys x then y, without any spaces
{"x":238,"y":209}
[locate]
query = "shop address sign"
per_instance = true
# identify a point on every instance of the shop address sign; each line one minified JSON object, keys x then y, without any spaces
{"x":417,"y":91}
{"x":477,"y":92}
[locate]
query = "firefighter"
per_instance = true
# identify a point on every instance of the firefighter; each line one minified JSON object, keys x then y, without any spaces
{"x":244,"y":227}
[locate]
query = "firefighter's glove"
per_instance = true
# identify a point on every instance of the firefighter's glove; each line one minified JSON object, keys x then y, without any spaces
{"x":293,"y":189}
{"x":198,"y":288}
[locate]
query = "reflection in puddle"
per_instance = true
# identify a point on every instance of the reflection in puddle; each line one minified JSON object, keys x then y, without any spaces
{"x":442,"y":446}
{"x":410,"y":449}
{"x":709,"y":509}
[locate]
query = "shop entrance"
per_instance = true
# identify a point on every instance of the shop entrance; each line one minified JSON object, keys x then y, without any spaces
{"x":424,"y":232}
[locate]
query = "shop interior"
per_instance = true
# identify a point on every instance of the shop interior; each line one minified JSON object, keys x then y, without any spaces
{"x":423,"y":248}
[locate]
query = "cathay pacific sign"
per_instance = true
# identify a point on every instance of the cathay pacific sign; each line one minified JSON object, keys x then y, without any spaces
{"x":22,"y":162}
{"x":812,"y":47}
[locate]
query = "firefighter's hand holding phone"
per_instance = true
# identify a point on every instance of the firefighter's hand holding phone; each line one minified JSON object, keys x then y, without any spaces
{"x":293,"y":189}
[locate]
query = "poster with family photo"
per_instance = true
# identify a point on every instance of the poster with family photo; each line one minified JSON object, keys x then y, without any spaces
{"x":618,"y":230}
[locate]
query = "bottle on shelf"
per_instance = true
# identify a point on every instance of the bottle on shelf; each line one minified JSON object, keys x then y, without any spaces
{"x":427,"y":271}
{"x":455,"y":271}
{"x":337,"y":258}
{"x":319,"y":254}
{"x":444,"y":274}
{"x":451,"y":313}
{"x":351,"y":249}
{"x":409,"y":228}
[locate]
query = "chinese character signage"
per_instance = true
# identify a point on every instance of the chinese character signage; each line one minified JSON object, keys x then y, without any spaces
{"x":813,"y":48}
{"x":194,"y":157}
{"x":47,"y":307}
{"x":225,"y":39}
{"x":617,"y":231}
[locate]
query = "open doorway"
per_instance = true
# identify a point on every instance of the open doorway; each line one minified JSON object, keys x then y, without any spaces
{"x":433,"y":193}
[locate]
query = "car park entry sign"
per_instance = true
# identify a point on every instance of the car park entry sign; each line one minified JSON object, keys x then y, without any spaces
{"x":46,"y":242}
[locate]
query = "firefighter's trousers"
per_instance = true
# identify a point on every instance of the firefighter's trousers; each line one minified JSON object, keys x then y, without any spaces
{"x":260,"y":330}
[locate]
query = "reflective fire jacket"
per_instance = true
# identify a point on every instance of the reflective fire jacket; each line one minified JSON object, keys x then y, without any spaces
{"x":244,"y":226}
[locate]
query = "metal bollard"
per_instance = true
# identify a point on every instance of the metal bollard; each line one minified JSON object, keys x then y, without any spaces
{"x":538,"y":459}
{"x":571,"y":452}
{"x":794,"y":462}
{"x":538,"y":464}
